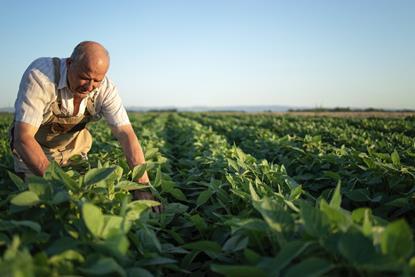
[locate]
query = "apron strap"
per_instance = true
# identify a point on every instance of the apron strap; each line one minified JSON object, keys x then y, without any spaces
{"x":57,"y":70}
{"x":57,"y":75}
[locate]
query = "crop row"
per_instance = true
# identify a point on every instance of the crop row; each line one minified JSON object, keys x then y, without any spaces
{"x":378,"y":134}
{"x":369,"y":179}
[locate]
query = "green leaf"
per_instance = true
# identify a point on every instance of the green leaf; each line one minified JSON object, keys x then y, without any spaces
{"x":93,"y":218}
{"x":97,"y":175}
{"x":199,"y":222}
{"x":61,"y":245}
{"x":237,"y":270}
{"x":178,"y":194}
{"x":234,"y":166}
{"x":26,"y":198}
{"x":147,"y":203}
{"x":412,"y":263}
{"x":148,"y":240}
{"x":251,"y":256}
{"x":289,"y":252}
{"x":138,"y":271}
{"x":250,"y":224}
{"x":40,"y":186}
{"x":236,"y":243}
{"x":68,"y":255}
{"x":135,"y":209}
{"x":337,"y":216}
{"x":112,"y":225}
{"x":358,"y":195}
{"x":254,"y":195}
{"x":241,"y":155}
{"x":155,"y":261}
{"x":157,"y":180}
{"x":203,"y":197}
{"x":60,"y":197}
{"x":21,"y":186}
{"x":296,"y":192}
{"x":316,"y":223}
{"x":117,"y":243}
{"x":27,"y":223}
{"x":363,"y":216}
{"x":309,"y":267}
{"x":204,"y":245}
{"x":16,"y":262}
{"x":118,"y":173}
{"x":278,"y":219}
{"x":395,"y":159}
{"x":357,"y":248}
{"x":104,"y":266}
{"x":168,"y":187}
{"x":150,"y":153}
{"x":69,"y":182}
{"x":138,"y":171}
{"x":397,"y":240}
{"x":6,"y":225}
{"x":129,"y":185}
{"x":56,"y":173}
{"x":336,"y":199}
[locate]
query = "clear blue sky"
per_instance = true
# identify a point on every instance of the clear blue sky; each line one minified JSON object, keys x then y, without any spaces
{"x":216,"y":53}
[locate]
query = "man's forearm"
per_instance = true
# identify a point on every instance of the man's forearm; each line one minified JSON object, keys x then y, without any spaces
{"x":32,"y":154}
{"x":135,"y":156}
{"x":132,"y":150}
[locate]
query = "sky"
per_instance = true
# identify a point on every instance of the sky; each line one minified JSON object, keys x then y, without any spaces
{"x":310,"y":53}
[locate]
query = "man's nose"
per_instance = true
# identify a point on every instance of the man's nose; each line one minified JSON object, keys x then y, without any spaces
{"x":90,"y":86}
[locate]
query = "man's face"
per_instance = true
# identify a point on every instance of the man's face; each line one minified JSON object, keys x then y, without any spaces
{"x":83,"y":78}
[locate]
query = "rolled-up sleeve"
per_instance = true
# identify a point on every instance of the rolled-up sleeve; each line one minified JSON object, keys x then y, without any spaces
{"x":112,"y":108}
{"x":31,"y":99}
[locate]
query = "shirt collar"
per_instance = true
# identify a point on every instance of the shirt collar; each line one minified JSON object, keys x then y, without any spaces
{"x":63,"y":82}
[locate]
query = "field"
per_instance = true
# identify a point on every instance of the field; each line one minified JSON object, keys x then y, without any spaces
{"x":243,"y":195}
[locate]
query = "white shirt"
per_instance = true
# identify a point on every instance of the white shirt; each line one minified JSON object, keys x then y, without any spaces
{"x":37,"y":92}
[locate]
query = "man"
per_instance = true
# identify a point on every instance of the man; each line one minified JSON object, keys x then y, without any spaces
{"x":56,"y":99}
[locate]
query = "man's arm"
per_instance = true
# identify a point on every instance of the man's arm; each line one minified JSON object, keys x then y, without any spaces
{"x":131,"y":147}
{"x":29,"y":149}
{"x":135,"y":156}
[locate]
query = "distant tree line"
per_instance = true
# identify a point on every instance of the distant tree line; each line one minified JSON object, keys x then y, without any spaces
{"x":346,"y":109}
{"x":163,"y":110}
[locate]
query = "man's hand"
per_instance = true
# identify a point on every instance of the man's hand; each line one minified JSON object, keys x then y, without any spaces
{"x":143,"y":179}
{"x":145,"y":195}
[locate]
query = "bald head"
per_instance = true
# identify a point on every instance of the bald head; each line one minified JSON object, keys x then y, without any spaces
{"x":91,"y":54}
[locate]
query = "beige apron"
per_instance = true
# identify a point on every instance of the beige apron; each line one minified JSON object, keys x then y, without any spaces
{"x":61,"y":136}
